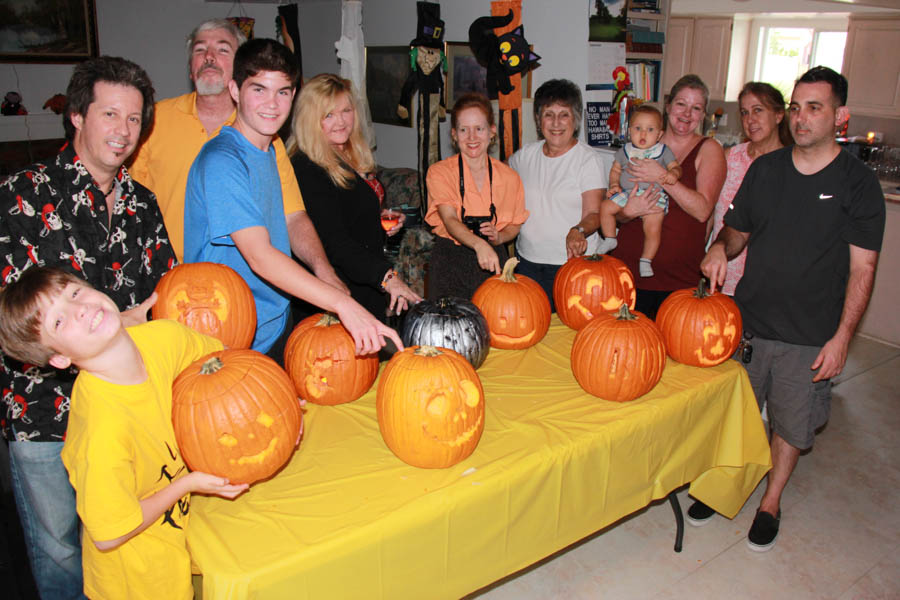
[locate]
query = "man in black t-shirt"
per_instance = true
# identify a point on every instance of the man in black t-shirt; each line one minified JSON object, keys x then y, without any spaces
{"x":812,"y":219}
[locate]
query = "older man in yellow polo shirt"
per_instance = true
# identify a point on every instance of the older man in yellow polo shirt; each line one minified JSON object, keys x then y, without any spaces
{"x":184,"y":123}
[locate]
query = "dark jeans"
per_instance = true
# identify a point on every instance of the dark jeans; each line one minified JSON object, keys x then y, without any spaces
{"x":276,"y":352}
{"x":648,"y":301}
{"x":543,"y":273}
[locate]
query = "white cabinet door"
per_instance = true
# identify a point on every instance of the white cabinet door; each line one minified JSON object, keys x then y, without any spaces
{"x":872,"y":66}
{"x":709,"y":56}
{"x":679,"y":41}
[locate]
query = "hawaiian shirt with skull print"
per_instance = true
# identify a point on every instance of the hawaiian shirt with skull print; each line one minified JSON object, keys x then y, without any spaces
{"x":54,"y":214}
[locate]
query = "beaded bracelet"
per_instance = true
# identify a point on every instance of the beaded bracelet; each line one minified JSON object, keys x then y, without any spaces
{"x":387,"y":277}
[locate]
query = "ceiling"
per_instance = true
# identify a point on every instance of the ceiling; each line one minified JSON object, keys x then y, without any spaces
{"x":728,"y":7}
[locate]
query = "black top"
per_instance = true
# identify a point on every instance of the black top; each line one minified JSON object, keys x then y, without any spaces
{"x":798,"y":254}
{"x":348,"y":222}
{"x":53,"y":214}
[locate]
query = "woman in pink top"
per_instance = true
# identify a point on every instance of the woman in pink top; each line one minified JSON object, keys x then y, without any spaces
{"x":765,"y":126}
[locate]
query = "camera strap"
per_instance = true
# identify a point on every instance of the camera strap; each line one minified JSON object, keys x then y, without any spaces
{"x":462,"y":189}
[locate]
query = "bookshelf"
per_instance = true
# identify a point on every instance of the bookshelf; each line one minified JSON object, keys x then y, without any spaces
{"x":645,"y":46}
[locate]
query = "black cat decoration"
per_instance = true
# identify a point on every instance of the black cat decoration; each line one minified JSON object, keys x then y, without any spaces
{"x":502,"y":56}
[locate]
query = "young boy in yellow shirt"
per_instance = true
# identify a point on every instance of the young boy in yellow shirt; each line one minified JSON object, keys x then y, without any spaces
{"x":132,"y":486}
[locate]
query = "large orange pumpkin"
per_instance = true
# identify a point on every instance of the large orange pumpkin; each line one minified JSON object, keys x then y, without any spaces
{"x":430,"y":406}
{"x":209,"y":298}
{"x":235,"y":415}
{"x":320,"y":358}
{"x":516,"y":308}
{"x":618,"y":356}
{"x":699,"y":328}
{"x":590,"y":285}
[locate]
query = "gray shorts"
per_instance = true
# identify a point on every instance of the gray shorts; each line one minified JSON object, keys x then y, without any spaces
{"x":781,"y":379}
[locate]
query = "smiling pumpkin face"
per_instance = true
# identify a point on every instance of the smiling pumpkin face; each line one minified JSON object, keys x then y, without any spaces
{"x":516,"y":308}
{"x":430,"y":407}
{"x":590,"y":285}
{"x":210,"y":298}
{"x":700,"y":329}
{"x":235,"y":415}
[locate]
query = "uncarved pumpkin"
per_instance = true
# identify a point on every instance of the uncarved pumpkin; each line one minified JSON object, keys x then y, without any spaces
{"x":699,"y":328}
{"x":235,"y":415}
{"x":516,"y":308}
{"x":590,"y":285}
{"x":430,"y":407}
{"x":209,"y":298}
{"x":320,"y":358}
{"x":618,"y":356}
{"x":448,"y":322}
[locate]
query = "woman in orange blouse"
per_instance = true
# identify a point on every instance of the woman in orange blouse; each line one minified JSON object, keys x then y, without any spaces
{"x":476,"y":204}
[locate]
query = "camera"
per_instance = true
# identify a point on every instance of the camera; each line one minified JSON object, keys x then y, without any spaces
{"x":474,"y":224}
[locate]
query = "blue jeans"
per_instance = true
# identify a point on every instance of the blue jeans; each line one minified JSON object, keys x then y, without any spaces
{"x":543,"y":273}
{"x":46,"y":504}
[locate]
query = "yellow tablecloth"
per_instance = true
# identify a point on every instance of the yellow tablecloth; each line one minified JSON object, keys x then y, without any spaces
{"x":347,"y":519}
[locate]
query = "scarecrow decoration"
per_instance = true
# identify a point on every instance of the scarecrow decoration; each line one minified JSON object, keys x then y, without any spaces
{"x":427,"y":82}
{"x":505,"y":57}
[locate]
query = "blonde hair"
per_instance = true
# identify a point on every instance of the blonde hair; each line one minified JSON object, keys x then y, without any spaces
{"x":316,"y":99}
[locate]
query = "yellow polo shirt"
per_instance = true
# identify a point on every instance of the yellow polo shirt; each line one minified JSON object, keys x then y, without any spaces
{"x":162,"y":162}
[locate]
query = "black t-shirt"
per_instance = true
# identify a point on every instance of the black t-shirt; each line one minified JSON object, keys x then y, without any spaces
{"x":798,"y":254}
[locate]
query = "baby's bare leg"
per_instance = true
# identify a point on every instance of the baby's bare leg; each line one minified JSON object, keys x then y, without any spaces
{"x":608,"y":211}
{"x":652,"y":235}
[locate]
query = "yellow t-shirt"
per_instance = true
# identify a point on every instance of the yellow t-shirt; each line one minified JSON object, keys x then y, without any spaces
{"x":119,"y":449}
{"x":162,"y":162}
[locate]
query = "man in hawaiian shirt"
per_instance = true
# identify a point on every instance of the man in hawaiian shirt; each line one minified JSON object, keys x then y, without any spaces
{"x":81,"y":212}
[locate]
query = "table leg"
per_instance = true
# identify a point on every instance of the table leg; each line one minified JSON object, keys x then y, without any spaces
{"x":679,"y":520}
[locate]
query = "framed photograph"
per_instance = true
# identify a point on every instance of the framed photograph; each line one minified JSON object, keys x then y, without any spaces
{"x":62,"y":31}
{"x":464,"y":74}
{"x":387,"y":68}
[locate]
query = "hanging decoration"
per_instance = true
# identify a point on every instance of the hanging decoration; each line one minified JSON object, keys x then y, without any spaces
{"x":287,"y":31}
{"x":351,"y":50}
{"x":498,"y":42}
{"x":242,"y":21}
{"x":426,"y":81}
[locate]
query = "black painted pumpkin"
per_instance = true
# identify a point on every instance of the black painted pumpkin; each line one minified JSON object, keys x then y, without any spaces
{"x":448,"y":322}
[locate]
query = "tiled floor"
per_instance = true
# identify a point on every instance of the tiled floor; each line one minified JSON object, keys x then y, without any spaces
{"x":840,"y":528}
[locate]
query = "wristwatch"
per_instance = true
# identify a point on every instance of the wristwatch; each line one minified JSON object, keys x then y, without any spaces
{"x":580,"y":229}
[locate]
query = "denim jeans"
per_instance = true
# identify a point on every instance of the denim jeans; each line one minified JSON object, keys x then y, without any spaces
{"x":543,"y":273}
{"x":46,"y":504}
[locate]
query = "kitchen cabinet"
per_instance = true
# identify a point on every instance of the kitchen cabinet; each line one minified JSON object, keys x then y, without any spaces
{"x":699,"y":45}
{"x":882,"y":318}
{"x":872,"y":66}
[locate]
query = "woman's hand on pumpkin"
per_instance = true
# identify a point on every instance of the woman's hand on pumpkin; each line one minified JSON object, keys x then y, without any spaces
{"x":204,"y":483}
{"x":487,"y":257}
{"x":641,"y":205}
{"x":138,"y":314}
{"x":401,"y":295}
{"x":576,"y":243}
{"x":646,"y":170}
{"x":714,"y":265}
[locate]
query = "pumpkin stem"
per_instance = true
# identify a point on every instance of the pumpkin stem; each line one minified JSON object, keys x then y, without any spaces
{"x":507,"y":276}
{"x":702,"y":290}
{"x":327,"y":319}
{"x":211,"y":366}
{"x":595,"y":257}
{"x":427,"y":351}
{"x":623,"y":314}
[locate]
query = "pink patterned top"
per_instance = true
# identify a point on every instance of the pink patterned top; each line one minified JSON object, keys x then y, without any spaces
{"x":738,"y":162}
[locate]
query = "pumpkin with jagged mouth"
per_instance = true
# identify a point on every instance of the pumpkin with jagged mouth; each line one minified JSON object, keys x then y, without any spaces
{"x":430,"y":407}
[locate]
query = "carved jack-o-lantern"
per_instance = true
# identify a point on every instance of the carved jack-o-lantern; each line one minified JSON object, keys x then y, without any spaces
{"x":516,"y":308}
{"x":235,"y":415}
{"x":700,"y":329}
{"x":320,"y":357}
{"x":430,"y":407}
{"x":209,"y":298}
{"x":590,"y":285}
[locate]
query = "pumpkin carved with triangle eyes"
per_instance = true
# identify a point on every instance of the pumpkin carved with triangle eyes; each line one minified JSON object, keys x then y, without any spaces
{"x":430,"y":407}
{"x":210,"y":298}
{"x":587,"y":286}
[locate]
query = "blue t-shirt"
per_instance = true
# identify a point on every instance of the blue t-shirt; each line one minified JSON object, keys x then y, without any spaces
{"x":233,"y":185}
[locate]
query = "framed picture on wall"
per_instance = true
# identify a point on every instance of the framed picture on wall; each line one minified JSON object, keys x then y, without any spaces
{"x":465,"y":75}
{"x":63,"y":31}
{"x":387,"y":68}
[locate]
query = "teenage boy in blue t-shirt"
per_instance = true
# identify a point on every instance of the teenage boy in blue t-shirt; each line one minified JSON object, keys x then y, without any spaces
{"x":234,"y":213}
